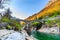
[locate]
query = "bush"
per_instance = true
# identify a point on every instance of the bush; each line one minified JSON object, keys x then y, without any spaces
{"x":37,"y":25}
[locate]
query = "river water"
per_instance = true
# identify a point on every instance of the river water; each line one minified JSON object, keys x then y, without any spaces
{"x":46,"y":36}
{"x":36,"y":34}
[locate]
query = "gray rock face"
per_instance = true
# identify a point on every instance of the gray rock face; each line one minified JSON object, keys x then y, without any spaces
{"x":3,"y":25}
{"x":0,"y":16}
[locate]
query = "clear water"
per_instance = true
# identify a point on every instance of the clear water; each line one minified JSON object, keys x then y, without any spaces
{"x":46,"y":36}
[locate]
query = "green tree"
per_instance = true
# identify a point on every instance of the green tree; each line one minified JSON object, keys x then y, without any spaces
{"x":8,"y":13}
{"x":37,"y":25}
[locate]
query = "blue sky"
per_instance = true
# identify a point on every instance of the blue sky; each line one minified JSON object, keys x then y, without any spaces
{"x":25,"y":8}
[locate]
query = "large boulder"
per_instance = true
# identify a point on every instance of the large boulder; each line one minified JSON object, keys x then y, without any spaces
{"x":3,"y":25}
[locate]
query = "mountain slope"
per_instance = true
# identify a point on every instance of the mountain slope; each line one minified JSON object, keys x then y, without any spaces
{"x":50,"y":7}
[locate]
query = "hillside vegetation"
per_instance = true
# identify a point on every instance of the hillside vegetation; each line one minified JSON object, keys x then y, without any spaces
{"x":9,"y":21}
{"x":54,"y":6}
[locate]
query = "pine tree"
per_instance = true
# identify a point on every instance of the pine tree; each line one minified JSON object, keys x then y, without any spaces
{"x":8,"y":13}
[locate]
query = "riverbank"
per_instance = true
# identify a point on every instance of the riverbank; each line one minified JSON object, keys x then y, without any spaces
{"x":5,"y":32}
{"x":12,"y":35}
{"x":15,"y":35}
{"x":27,"y":36}
{"x":50,"y":30}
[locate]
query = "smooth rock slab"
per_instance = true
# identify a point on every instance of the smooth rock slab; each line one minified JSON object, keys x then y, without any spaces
{"x":11,"y":35}
{"x":5,"y":32}
{"x":16,"y":36}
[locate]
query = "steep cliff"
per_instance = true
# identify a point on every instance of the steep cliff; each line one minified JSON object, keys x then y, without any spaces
{"x":53,"y":5}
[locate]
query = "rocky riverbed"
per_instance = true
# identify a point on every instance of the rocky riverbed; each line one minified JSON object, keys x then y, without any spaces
{"x":50,"y":30}
{"x":14,"y":35}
